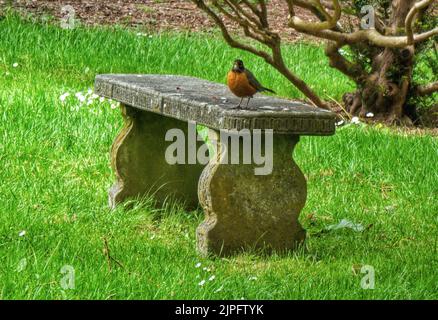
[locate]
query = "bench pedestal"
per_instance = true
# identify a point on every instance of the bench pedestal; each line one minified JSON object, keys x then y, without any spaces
{"x":244,"y":210}
{"x":138,"y":160}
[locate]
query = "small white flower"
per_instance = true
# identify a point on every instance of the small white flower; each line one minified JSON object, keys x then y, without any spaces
{"x":151,"y":36}
{"x":197,"y":265}
{"x":201,"y":283}
{"x":212,"y":278}
{"x":369,"y":115}
{"x":152,"y":237}
{"x":22,"y":233}
{"x":80,"y":96}
{"x":22,"y":265}
{"x":63,"y":96}
{"x":90,"y":91}
{"x":253,"y":278}
{"x":101,"y":99}
{"x":94,"y":96}
{"x":339,"y":123}
{"x":15,"y":64}
{"x":355,"y":120}
{"x":206,"y":269}
{"x":89,"y":102}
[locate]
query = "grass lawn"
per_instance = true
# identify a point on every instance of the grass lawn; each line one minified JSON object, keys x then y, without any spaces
{"x":55,"y":175}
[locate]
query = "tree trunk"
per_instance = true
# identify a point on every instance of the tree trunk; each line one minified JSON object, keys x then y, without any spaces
{"x":386,"y":89}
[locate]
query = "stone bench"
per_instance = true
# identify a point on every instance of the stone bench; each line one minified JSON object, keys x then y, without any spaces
{"x":242,"y":209}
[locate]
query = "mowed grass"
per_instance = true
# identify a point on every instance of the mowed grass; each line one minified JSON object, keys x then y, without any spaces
{"x":55,"y":175}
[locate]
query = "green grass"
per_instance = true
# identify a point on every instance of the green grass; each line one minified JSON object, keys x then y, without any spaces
{"x":55,"y":175}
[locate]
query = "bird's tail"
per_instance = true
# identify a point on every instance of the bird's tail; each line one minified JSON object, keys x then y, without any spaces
{"x":267,"y":89}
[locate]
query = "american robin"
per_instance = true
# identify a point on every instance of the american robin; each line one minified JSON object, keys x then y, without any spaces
{"x":243,"y":83}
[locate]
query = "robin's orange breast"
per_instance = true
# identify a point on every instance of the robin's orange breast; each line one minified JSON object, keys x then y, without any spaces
{"x":239,"y":84}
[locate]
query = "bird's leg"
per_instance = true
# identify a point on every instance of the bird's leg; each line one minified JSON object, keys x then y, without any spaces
{"x":238,"y":106}
{"x":247,"y":103}
{"x":240,"y":103}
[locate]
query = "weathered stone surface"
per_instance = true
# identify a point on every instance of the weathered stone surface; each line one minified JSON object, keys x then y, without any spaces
{"x":209,"y":103}
{"x":138,"y":160}
{"x":243,"y":210}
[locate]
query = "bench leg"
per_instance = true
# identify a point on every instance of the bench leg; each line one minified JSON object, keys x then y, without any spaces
{"x":244,"y":210}
{"x":138,"y":160}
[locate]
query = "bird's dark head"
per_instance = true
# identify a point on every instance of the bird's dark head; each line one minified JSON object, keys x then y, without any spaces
{"x":238,"y":66}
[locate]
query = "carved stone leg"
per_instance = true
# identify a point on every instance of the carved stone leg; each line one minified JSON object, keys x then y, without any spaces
{"x":244,"y":210}
{"x":138,"y":160}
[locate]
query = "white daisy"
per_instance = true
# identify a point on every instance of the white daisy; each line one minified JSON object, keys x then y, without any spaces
{"x":64,"y":96}
{"x":355,"y":120}
{"x":80,"y":96}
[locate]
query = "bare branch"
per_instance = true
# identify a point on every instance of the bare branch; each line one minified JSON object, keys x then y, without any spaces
{"x":427,"y":89}
{"x":353,"y":71}
{"x":329,"y":23}
{"x":410,"y":18}
{"x":370,"y":35}
{"x":230,"y":40}
{"x":300,"y":84}
{"x":261,"y":13}
{"x":264,"y":14}
{"x":249,"y":30}
{"x":266,"y":36}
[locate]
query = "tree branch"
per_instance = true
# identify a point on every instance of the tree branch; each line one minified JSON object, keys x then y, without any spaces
{"x":410,"y":18}
{"x":336,"y":60}
{"x":370,"y":35}
{"x":230,"y":40}
{"x":427,"y":89}
{"x":244,"y":23}
{"x":269,"y":38}
{"x":329,"y":23}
